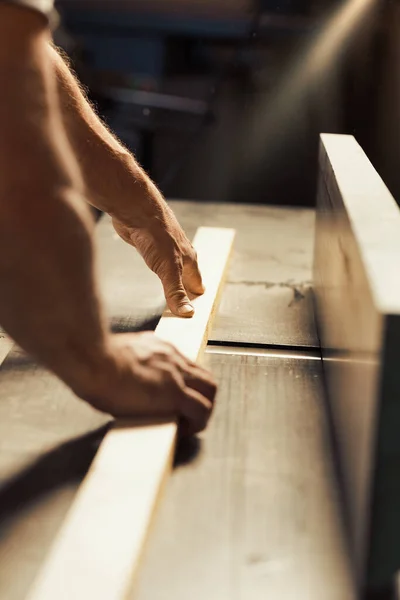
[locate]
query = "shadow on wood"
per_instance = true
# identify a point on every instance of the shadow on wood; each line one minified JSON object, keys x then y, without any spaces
{"x":67,"y":462}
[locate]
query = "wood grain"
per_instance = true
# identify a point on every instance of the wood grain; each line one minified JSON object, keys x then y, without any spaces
{"x":98,"y":549}
{"x":255,"y":514}
{"x":357,"y":288}
{"x":48,"y":437}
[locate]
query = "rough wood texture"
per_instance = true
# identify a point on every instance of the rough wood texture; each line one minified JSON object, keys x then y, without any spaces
{"x":100,"y":543}
{"x":357,"y":284}
{"x":267,"y":298}
{"x":48,"y":438}
{"x":254,"y":513}
{"x":98,"y":549}
{"x":47,"y":441}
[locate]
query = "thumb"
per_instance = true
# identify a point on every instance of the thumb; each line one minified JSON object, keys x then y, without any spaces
{"x":175,"y":295}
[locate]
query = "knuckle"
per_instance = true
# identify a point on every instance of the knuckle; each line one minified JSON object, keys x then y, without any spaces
{"x":157,"y":264}
{"x":171,"y":276}
{"x":178,"y":295}
{"x":168,"y":347}
{"x":170,"y":375}
{"x":160,"y":357}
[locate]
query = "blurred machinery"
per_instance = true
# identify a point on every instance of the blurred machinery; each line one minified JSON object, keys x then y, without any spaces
{"x":155,"y":68}
{"x":186,"y":83}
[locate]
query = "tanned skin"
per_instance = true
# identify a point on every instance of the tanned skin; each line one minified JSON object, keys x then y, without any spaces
{"x":56,"y":157}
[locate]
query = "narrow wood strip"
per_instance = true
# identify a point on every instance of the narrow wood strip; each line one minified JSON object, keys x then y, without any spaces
{"x":5,"y":346}
{"x":98,"y":549}
{"x":213,"y":246}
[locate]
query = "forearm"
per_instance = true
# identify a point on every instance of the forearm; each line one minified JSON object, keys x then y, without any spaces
{"x":49,"y":302}
{"x":117,"y":184}
{"x":48,"y":297}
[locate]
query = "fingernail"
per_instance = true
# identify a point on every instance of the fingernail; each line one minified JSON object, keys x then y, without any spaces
{"x":186,"y":309}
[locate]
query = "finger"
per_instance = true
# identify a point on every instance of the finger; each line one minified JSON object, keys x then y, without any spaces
{"x":175,"y":294}
{"x":184,"y":428}
{"x":202,"y":382}
{"x":195,"y":411}
{"x":192,"y":279}
{"x":194,"y":375}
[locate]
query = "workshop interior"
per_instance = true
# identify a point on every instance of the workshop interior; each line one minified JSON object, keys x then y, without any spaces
{"x":278,"y":120}
{"x":224,"y":100}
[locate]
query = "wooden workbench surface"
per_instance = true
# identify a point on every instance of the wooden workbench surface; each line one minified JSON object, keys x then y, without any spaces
{"x":257,"y":504}
{"x":253,"y":515}
{"x":267,"y":298}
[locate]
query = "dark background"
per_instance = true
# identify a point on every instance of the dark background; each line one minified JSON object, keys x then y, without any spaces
{"x":223,"y":100}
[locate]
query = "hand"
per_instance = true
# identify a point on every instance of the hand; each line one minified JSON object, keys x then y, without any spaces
{"x":168,"y":252}
{"x":116,"y":184}
{"x":147,"y":377}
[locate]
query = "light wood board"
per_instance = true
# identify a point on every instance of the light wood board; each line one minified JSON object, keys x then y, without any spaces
{"x":5,"y":346}
{"x":97,"y":551}
{"x":48,"y":437}
{"x":357,"y":289}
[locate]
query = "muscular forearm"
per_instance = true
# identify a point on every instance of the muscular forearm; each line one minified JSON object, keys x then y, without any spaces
{"x":48,"y":294}
{"x":116,"y":183}
{"x":48,"y":297}
{"x":48,"y":300}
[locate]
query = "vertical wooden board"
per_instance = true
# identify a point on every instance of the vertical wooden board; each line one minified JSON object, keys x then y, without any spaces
{"x":357,"y":291}
{"x":97,"y":551}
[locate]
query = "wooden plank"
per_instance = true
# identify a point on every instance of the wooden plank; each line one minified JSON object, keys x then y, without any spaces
{"x":267,"y":298}
{"x":357,"y":288}
{"x":98,"y":549}
{"x":255,"y":514}
{"x":5,"y":345}
{"x":48,"y":436}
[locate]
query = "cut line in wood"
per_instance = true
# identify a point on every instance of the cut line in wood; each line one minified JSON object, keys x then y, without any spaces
{"x":97,"y":551}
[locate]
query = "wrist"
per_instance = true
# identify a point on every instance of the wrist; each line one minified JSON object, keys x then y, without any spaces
{"x":124,"y":191}
{"x":142,"y":204}
{"x":98,"y":378}
{"x":89,"y":371}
